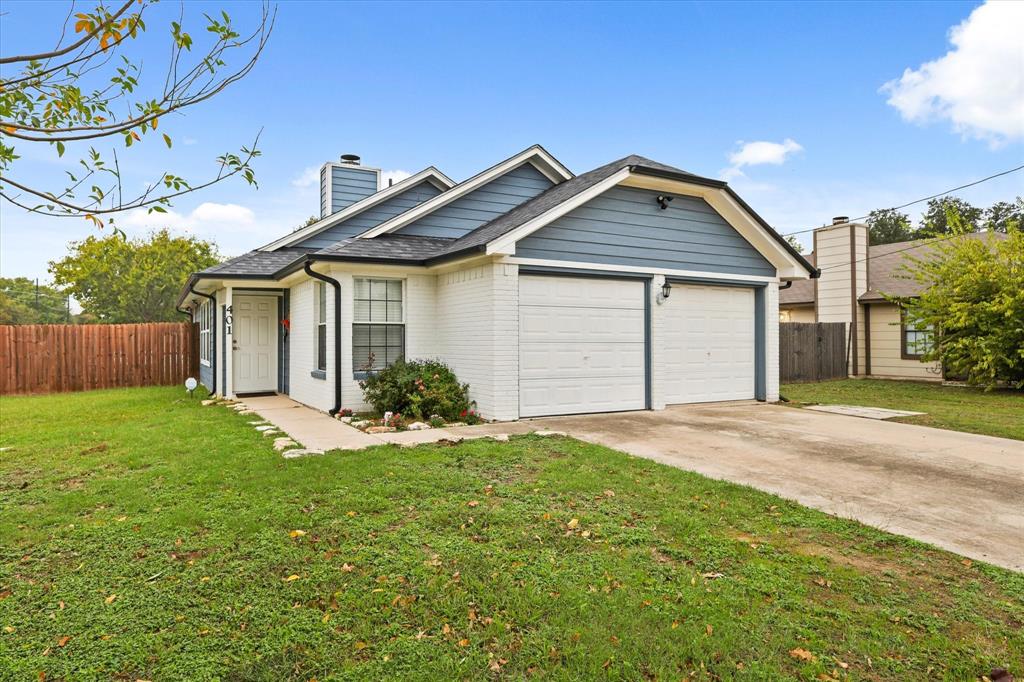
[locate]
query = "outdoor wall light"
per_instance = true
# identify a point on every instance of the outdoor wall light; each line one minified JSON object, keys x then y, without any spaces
{"x":666,"y":290}
{"x":663,"y":200}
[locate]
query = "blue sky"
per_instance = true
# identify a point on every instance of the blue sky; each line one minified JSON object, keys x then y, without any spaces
{"x":464,"y":85}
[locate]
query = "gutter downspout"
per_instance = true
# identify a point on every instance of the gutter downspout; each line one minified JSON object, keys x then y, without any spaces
{"x":306,"y":267}
{"x":213,"y":333}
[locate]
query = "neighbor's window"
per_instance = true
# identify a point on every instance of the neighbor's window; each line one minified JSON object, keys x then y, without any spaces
{"x":917,"y":340}
{"x":204,"y":316}
{"x":320,"y":321}
{"x":378,"y":327}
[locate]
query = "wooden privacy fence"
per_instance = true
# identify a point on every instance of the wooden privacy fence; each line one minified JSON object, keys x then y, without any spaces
{"x":52,"y":358}
{"x":812,"y":351}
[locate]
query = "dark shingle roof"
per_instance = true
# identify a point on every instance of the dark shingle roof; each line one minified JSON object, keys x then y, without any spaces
{"x":389,"y":247}
{"x":255,"y":263}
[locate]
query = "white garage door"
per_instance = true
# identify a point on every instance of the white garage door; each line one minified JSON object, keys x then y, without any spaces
{"x":581,"y":345}
{"x":708,"y":344}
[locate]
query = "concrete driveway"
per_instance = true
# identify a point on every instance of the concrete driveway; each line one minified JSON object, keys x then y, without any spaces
{"x":958,"y":491}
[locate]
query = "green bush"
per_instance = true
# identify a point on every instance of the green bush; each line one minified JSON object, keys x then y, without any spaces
{"x":417,"y":388}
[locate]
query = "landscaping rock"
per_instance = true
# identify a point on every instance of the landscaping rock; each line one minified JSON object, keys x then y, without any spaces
{"x":239,"y":406}
{"x":418,"y":426}
{"x":381,"y":429}
{"x":284,"y":444}
{"x":266,"y":427}
{"x":345,"y":420}
{"x":500,"y":437}
{"x":271,"y":432}
{"x":257,"y":422}
{"x":212,"y":401}
{"x":550,"y":433}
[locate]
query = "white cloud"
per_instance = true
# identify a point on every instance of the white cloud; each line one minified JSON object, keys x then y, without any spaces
{"x":758,"y":153}
{"x":393,"y":176}
{"x":309,"y":177}
{"x":207,"y":218}
{"x":978,"y":85}
{"x":189,"y":141}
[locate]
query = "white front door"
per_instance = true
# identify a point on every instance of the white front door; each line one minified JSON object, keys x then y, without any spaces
{"x":581,"y":345}
{"x":254,"y":344}
{"x":708,"y":348}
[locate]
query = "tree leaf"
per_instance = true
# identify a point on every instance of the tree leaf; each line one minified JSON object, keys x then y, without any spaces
{"x":60,"y":148}
{"x":167,"y":140}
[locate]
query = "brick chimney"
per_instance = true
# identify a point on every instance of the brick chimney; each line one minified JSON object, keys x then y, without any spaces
{"x":344,"y":182}
{"x":841,"y":252}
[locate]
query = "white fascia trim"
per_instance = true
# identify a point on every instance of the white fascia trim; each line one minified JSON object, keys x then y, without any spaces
{"x":536,"y":155}
{"x":543,"y":262}
{"x":506,"y":244}
{"x":431,"y":175}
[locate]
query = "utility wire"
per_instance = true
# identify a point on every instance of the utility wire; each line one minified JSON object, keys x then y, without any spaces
{"x":923,"y":242}
{"x":918,"y":201}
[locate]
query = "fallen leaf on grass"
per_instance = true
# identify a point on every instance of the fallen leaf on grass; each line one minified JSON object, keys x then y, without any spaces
{"x":463,"y":642}
{"x":8,"y":629}
{"x":5,"y":594}
{"x":712,"y":576}
{"x":290,"y":578}
{"x":348,"y":568}
{"x":967,"y":562}
{"x":802,"y":654}
{"x":709,"y":629}
{"x":573,"y":524}
{"x":472,"y":503}
{"x":296,"y":533}
{"x":327,"y":617}
{"x":609,"y":493}
{"x":360,"y":646}
{"x":842,"y":665}
{"x":351,"y":513}
{"x":110,"y":599}
{"x":63,"y":640}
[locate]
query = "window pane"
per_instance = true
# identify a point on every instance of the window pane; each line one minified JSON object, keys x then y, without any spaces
{"x":395,"y":333}
{"x":361,"y":288}
{"x":394,"y":290}
{"x":360,"y":335}
{"x":394,"y":311}
{"x":378,"y":311}
{"x":378,"y":290}
{"x":378,"y":335}
{"x":321,"y":346}
{"x":362,"y":310}
{"x":322,"y":295}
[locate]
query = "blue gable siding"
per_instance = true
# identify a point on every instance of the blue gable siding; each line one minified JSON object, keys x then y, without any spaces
{"x":372,"y":217}
{"x":349,"y":184}
{"x":482,"y":205}
{"x":625,"y":226}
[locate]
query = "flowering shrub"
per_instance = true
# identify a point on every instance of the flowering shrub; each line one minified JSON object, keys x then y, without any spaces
{"x":345,"y":412}
{"x":470,"y":417}
{"x":417,"y":388}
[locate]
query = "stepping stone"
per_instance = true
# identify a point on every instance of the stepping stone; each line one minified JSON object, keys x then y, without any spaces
{"x":204,"y":403}
{"x":271,"y":432}
{"x":550,"y":433}
{"x":259,"y":421}
{"x":302,"y":452}
{"x":267,"y":427}
{"x":284,"y":443}
{"x":500,"y":437}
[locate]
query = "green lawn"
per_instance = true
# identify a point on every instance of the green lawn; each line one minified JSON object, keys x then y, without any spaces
{"x":995,"y":413}
{"x":145,"y":537}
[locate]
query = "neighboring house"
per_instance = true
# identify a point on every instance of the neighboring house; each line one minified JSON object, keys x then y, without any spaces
{"x":853,"y":287}
{"x":630,"y":287}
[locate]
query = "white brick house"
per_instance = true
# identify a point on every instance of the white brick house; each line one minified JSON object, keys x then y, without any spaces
{"x":633,"y":286}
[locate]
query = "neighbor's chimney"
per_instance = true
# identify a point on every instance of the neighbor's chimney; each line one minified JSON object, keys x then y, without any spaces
{"x":841,"y":251}
{"x":344,"y":182}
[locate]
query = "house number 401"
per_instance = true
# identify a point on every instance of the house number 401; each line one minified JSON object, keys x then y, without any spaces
{"x":228,"y":319}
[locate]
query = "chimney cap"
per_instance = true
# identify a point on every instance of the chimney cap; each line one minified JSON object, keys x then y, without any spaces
{"x":350,"y":159}
{"x":840,"y":219}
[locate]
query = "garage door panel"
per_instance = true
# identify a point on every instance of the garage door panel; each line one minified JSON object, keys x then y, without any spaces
{"x":709,"y":344}
{"x":578,"y":396}
{"x":582,"y":345}
{"x":538,"y":361}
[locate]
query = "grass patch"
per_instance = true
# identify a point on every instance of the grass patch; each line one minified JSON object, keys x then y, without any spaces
{"x":993,"y":413}
{"x":146,"y":537}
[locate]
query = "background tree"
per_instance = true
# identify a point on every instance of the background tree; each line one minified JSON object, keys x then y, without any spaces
{"x":973,"y":300}
{"x":90,"y":89}
{"x":1003,"y":216}
{"x":138,"y":280}
{"x":22,"y":302}
{"x":935,"y":220}
{"x":888,"y":226}
{"x":795,"y":243}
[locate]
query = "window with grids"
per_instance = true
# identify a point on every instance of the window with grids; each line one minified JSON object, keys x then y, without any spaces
{"x":320,"y":322}
{"x":916,"y":340}
{"x":204,"y":316}
{"x":378,"y":327}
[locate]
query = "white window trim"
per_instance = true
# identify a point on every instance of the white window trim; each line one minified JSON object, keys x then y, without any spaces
{"x":204,"y":318}
{"x":402,"y":323}
{"x":319,"y":297}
